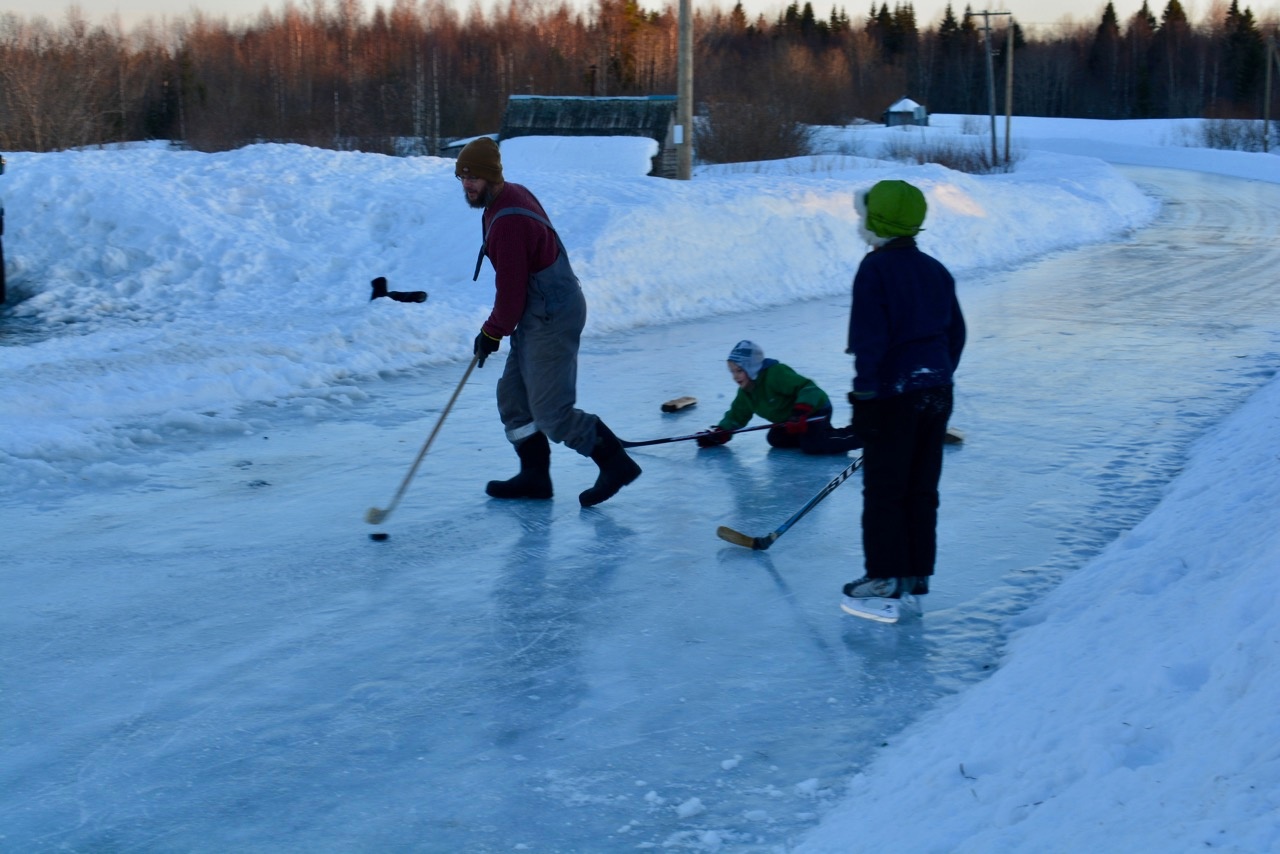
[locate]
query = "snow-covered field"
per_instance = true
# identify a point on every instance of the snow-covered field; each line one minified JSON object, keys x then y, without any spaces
{"x":159,"y":294}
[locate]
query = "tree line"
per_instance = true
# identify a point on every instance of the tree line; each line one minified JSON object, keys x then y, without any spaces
{"x":420,"y":72}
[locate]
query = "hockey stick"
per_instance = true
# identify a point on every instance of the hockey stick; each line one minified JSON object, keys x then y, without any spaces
{"x":627,"y":444}
{"x":761,"y":543}
{"x":376,"y":515}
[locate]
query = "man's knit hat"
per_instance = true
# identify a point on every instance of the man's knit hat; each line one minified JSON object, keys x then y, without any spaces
{"x":894,"y":209}
{"x":749,"y":356}
{"x":479,"y":158}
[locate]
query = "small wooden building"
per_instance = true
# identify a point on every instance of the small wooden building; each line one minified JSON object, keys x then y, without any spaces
{"x":454,"y":147}
{"x":651,"y":116}
{"x":906,"y":112}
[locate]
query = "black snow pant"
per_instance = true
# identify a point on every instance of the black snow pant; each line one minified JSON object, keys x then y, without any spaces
{"x":818,"y":438}
{"x":901,"y":467}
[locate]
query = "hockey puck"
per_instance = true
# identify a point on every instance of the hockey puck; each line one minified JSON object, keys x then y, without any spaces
{"x":379,"y":536}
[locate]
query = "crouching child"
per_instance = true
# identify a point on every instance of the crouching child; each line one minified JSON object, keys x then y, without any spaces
{"x":799,"y":409}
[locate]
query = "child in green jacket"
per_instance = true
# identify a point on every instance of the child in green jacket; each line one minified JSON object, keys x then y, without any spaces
{"x":799,"y":409}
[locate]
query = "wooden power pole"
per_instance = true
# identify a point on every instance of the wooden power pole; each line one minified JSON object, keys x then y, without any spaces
{"x":991,"y":75}
{"x":1008,"y":91}
{"x":1273,"y":58}
{"x":684,"y":94}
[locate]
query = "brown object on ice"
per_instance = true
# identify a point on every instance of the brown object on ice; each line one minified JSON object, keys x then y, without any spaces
{"x":678,"y":403}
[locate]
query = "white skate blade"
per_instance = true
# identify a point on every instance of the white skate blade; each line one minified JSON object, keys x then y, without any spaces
{"x":872,"y":608}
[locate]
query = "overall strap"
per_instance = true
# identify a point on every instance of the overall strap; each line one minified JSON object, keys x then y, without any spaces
{"x":499,"y":215}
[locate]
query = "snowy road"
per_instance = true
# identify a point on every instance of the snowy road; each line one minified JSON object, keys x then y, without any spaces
{"x":219,"y":658}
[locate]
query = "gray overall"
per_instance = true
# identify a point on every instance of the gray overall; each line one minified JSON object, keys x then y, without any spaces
{"x":539,"y":385}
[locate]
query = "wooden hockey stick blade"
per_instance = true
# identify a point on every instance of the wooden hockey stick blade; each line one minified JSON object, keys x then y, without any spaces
{"x":738,"y":538}
{"x":678,"y":403}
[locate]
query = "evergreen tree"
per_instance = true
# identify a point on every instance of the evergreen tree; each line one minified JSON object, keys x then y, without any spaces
{"x":1169,"y":61}
{"x":1104,"y":66}
{"x":1138,"y":39}
{"x":1243,"y":57}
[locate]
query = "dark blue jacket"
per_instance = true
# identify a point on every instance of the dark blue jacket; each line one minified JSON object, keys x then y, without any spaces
{"x":906,"y":331}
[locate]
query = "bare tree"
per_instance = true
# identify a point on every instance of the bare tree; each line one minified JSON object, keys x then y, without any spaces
{"x":325,"y":73}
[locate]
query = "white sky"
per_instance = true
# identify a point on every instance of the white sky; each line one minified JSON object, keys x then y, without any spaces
{"x":1038,"y":12}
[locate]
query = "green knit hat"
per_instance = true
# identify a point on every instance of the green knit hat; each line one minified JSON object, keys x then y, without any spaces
{"x":479,"y":158}
{"x":895,"y":209}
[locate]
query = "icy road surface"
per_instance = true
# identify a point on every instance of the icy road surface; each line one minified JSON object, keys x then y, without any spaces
{"x":220,"y":659}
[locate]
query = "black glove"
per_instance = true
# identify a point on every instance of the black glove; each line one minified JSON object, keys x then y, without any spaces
{"x":485,"y":345}
{"x":714,"y":436}
{"x":866,"y":417}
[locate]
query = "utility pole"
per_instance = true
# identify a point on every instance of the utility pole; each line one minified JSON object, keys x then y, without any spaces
{"x":1273,"y":58}
{"x":1008,"y":91}
{"x":991,"y":74}
{"x":435,"y":100}
{"x":684,"y":95}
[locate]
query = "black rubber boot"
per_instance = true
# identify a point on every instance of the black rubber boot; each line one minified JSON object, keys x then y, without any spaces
{"x":616,"y":468}
{"x":534,"y":479}
{"x":379,"y":288}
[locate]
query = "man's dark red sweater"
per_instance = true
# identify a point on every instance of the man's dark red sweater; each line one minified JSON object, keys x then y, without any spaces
{"x":519,"y":246}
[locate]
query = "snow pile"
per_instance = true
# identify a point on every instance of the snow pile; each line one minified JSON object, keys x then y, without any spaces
{"x":179,"y":288}
{"x":1135,"y":709}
